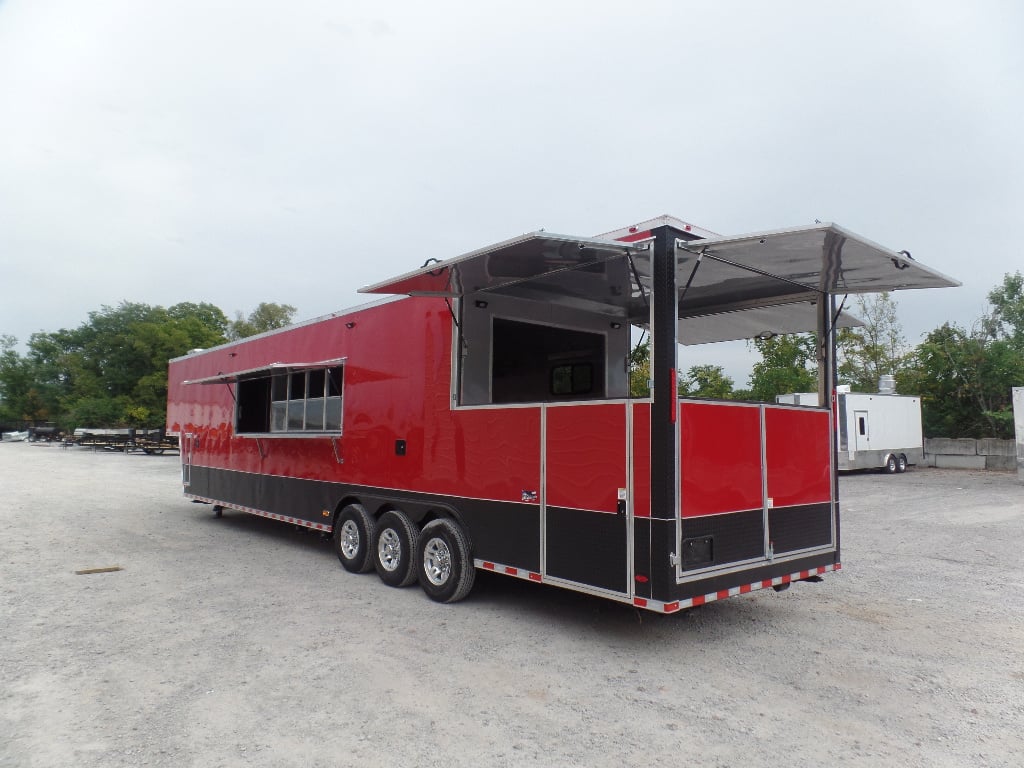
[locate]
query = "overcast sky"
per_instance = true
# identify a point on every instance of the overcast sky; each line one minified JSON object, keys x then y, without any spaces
{"x":239,"y":152}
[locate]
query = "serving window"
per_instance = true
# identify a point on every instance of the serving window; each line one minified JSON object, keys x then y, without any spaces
{"x":291,"y":402}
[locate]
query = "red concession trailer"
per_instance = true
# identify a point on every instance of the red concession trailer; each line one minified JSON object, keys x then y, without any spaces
{"x":481,"y":418}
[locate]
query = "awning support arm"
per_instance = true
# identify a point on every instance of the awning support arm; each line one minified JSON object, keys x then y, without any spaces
{"x":748,"y":268}
{"x":636,"y":277}
{"x":689,"y":281}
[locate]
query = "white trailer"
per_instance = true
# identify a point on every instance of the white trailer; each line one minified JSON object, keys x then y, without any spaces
{"x":876,"y":430}
{"x":1018,"y":428}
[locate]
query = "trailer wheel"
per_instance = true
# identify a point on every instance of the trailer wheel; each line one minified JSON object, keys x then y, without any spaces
{"x":353,"y":538}
{"x":891,"y":465}
{"x":901,"y":463}
{"x":394,"y":549}
{"x":446,"y":569}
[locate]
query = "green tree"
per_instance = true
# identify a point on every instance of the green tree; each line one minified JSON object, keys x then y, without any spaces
{"x":112,"y":369}
{"x":19,"y":398}
{"x":964,"y":380}
{"x":267,"y":316}
{"x":877,"y":348}
{"x":640,"y":370}
{"x":706,"y":381}
{"x":788,"y":364}
{"x":1006,"y":320}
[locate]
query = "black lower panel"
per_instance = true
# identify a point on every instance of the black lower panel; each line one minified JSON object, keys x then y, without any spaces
{"x":288,"y":496}
{"x":502,"y":532}
{"x":644,"y":579}
{"x":794,"y":528}
{"x":587,"y":547}
{"x":724,"y":538}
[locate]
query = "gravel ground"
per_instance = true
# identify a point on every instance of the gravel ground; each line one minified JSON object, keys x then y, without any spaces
{"x":242,"y":642}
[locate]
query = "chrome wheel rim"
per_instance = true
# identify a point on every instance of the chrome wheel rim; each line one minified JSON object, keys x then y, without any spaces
{"x":437,"y":562}
{"x":349,"y":539}
{"x":389,"y":549}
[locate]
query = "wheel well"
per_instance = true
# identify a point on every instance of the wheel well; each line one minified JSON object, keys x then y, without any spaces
{"x":442,"y":513}
{"x":341,"y":505}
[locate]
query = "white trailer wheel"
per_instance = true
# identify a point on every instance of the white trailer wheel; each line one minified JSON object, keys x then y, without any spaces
{"x":437,"y":561}
{"x":353,"y":535}
{"x":395,"y":543}
{"x":901,"y":463}
{"x":891,"y":465}
{"x":446,"y":570}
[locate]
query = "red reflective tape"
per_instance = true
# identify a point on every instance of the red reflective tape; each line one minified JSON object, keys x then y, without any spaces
{"x":633,"y":237}
{"x":722,"y":594}
{"x":675,"y":395}
{"x":822,"y":569}
{"x":670,"y":607}
{"x":535,"y":577}
{"x":838,"y":566}
{"x":699,"y":600}
{"x":639,"y":602}
{"x":746,"y":588}
{"x":766,"y":583}
{"x":511,"y":571}
{"x":489,"y":566}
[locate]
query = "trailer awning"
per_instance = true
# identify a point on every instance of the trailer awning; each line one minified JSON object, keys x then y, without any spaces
{"x":519,"y":260}
{"x":765,"y":268}
{"x":265,"y":370}
{"x":756,"y":282}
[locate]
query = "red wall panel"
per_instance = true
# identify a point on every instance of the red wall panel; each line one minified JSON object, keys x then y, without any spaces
{"x":798,"y":451}
{"x":586,"y":456}
{"x":720,"y":463}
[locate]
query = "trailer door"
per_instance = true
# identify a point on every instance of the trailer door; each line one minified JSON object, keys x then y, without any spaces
{"x":861,"y":432}
{"x":585,"y":502}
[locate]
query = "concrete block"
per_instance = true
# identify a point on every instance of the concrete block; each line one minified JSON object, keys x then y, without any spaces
{"x":948,"y":461}
{"x":961,"y":446}
{"x":990,"y":446}
{"x":1001,"y":462}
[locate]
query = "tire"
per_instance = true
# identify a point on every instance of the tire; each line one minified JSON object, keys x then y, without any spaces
{"x":395,"y":542}
{"x":891,"y":465}
{"x":353,"y":538}
{"x":901,"y":463}
{"x":445,"y":565}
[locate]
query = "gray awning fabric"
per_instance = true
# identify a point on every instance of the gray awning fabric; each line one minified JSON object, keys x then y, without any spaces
{"x":265,"y":370}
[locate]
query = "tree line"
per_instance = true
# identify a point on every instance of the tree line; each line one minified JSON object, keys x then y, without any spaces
{"x":111,"y":371}
{"x":964,"y":376}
